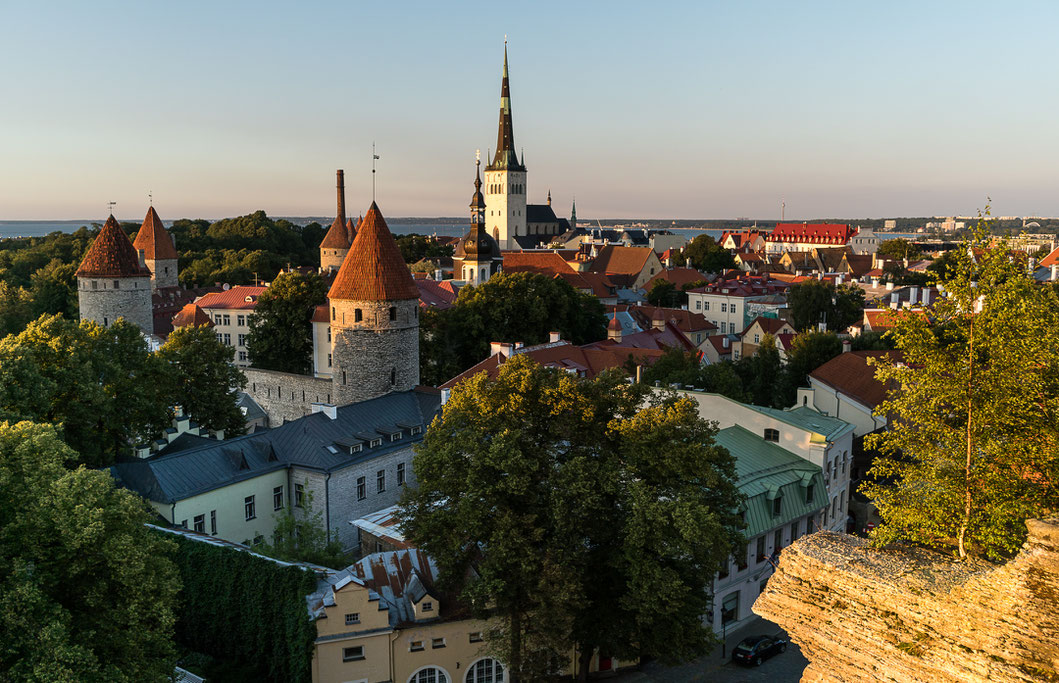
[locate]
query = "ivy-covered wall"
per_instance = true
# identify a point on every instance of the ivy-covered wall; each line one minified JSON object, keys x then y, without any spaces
{"x":241,"y":608}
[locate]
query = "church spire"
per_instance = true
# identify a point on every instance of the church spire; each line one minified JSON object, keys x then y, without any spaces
{"x":505,"y":158}
{"x":477,"y":200}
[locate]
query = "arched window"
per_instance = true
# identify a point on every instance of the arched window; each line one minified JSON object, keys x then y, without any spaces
{"x":357,"y":315}
{"x":393,"y":313}
{"x":485,"y":671}
{"x":431,"y":674}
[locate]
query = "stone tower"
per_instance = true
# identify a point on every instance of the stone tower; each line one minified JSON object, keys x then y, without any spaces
{"x":112,"y":281}
{"x":374,"y":317}
{"x":505,"y":178}
{"x":336,"y":242}
{"x":477,"y":256}
{"x":158,"y":252}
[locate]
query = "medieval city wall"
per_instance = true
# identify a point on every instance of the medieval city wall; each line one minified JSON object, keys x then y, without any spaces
{"x":285,"y":396}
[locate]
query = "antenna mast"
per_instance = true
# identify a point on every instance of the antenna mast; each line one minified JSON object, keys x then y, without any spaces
{"x":374,"y":157}
{"x":110,"y":208}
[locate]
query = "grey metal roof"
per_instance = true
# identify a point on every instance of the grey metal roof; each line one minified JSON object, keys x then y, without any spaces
{"x":303,"y":443}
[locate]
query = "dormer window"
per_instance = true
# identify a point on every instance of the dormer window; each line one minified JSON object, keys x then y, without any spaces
{"x":777,"y":506}
{"x":415,"y":430}
{"x":374,"y":443}
{"x":396,"y":437}
{"x":355,"y":449}
{"x":772,"y":435}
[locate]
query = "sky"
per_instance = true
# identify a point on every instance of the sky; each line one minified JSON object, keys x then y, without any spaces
{"x":655,"y":110}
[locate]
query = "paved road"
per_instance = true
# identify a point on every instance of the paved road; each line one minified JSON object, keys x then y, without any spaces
{"x":786,"y":667}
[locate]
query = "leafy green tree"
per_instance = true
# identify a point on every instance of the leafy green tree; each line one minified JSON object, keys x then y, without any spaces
{"x":571,"y":498}
{"x":761,"y":374}
{"x":974,"y":446}
{"x":899,"y":249}
{"x":300,"y":536}
{"x":945,"y":266}
{"x":814,"y":301}
{"x":417,"y":247}
{"x":681,"y":367}
{"x":809,"y":350}
{"x":87,"y":592}
{"x":664,"y":294}
{"x":203,"y":378}
{"x":872,"y":341}
{"x":281,"y":335}
{"x":513,"y":307}
{"x":703,"y":253}
{"x":16,"y":309}
{"x":54,"y":290}
{"x":102,"y":386}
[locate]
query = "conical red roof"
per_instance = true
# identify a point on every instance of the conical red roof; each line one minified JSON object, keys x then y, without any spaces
{"x":112,"y":255}
{"x":351,"y":229}
{"x":153,"y":240}
{"x":614,"y":325}
{"x":191,"y":316}
{"x":337,"y":236}
{"x":374,"y":269}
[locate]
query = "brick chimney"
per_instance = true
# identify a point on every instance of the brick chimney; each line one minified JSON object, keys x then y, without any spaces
{"x":341,"y":187}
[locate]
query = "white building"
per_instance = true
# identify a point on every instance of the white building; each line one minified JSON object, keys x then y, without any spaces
{"x":230,"y":312}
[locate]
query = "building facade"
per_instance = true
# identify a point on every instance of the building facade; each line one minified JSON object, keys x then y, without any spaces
{"x":231,"y":311}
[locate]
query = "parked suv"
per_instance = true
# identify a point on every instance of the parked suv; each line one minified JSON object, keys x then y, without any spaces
{"x":757,"y":649}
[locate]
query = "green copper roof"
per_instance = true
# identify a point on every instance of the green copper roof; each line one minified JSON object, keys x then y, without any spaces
{"x":766,"y":472}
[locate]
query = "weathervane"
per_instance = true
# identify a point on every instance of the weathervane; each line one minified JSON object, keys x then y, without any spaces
{"x":110,"y":207}
{"x":374,"y":158}
{"x":477,"y":157}
{"x":150,"y":197}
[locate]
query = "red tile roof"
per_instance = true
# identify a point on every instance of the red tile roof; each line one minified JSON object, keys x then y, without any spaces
{"x":816,"y":233}
{"x":850,"y":374}
{"x":596,"y":283}
{"x":545,"y":262}
{"x":433,"y":294}
{"x":623,"y":260}
{"x":374,"y":270}
{"x":337,"y":236}
{"x":240,"y":297}
{"x":768,"y":325}
{"x":321,"y":314}
{"x":191,"y":315}
{"x":687,"y":321}
{"x":1051,"y":259}
{"x":112,"y":255}
{"x":153,"y":240}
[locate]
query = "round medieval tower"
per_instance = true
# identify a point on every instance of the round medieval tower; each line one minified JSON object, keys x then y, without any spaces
{"x":113,"y":282}
{"x":374,"y":317}
{"x":335,"y":245}
{"x":159,"y":253}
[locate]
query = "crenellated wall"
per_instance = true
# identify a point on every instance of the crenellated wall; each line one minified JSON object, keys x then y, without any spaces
{"x":861,"y":614}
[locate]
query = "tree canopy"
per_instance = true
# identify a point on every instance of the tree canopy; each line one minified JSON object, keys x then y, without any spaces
{"x":87,"y":592}
{"x":203,"y":379}
{"x":281,"y":335}
{"x":973,"y":448}
{"x":627,"y":504}
{"x":510,"y":307}
{"x":705,"y":254}
{"x":815,"y":301}
{"x":898,"y":248}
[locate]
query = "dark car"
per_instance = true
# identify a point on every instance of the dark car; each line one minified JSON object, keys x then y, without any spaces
{"x":757,"y":649}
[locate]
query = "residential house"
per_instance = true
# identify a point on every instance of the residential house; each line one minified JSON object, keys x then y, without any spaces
{"x":718,"y":348}
{"x":678,"y":277}
{"x":694,"y":325}
{"x":750,"y":240}
{"x":230,"y":312}
{"x":845,"y":387}
{"x":626,"y":266}
{"x":865,"y":241}
{"x":751,"y":337}
{"x":823,"y":440}
{"x":352,"y":460}
{"x":785,"y":499}
{"x":725,"y":301}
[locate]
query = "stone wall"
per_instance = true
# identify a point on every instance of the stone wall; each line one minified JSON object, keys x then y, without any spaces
{"x":375,"y":355}
{"x":861,"y":614}
{"x":100,"y":302}
{"x":331,"y":259}
{"x":285,"y":396}
{"x":163,"y":272}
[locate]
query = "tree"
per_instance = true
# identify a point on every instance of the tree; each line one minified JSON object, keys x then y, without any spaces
{"x":300,"y":536}
{"x":664,"y":294}
{"x":809,"y":350}
{"x":814,"y":301}
{"x":203,"y":379}
{"x":872,"y":341}
{"x":761,"y":374}
{"x":974,"y":448}
{"x":16,"y":306}
{"x":572,"y":498}
{"x":512,"y":307}
{"x":101,"y":386}
{"x":899,"y":249}
{"x":280,"y":335}
{"x":703,"y":253}
{"x":677,"y":366}
{"x":87,"y":592}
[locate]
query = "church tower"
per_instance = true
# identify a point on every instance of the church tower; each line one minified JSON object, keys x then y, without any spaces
{"x":477,"y":256}
{"x":505,"y":179}
{"x":573,"y":214}
{"x":158,"y":252}
{"x":112,"y":281}
{"x":374,"y":317}
{"x":336,"y":243}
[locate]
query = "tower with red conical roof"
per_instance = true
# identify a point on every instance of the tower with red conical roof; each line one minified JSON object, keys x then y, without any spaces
{"x":336,"y":243}
{"x":158,"y":251}
{"x":505,"y":178}
{"x":374,"y":317}
{"x":113,"y":282}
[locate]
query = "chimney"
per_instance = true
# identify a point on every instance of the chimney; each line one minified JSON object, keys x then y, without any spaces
{"x":669,"y":262}
{"x":874,"y":280}
{"x":437,"y":275}
{"x":495,"y":348}
{"x":341,"y":186}
{"x":326,"y":408}
{"x":913,"y":295}
{"x":1055,"y":271}
{"x":553,"y":337}
{"x":725,"y":341}
{"x":889,"y":286}
{"x":445,"y":393}
{"x":895,"y":301}
{"x":847,"y":346}
{"x":639,"y":373}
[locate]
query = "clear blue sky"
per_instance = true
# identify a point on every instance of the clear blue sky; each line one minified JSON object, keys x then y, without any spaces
{"x":683,"y":110}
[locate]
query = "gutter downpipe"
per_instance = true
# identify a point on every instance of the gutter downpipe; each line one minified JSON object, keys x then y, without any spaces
{"x":327,"y":505}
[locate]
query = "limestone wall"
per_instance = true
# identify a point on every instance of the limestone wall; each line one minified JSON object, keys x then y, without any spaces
{"x":100,"y":302}
{"x":163,"y":272}
{"x":285,"y":396}
{"x":861,"y":614}
{"x":374,"y":355}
